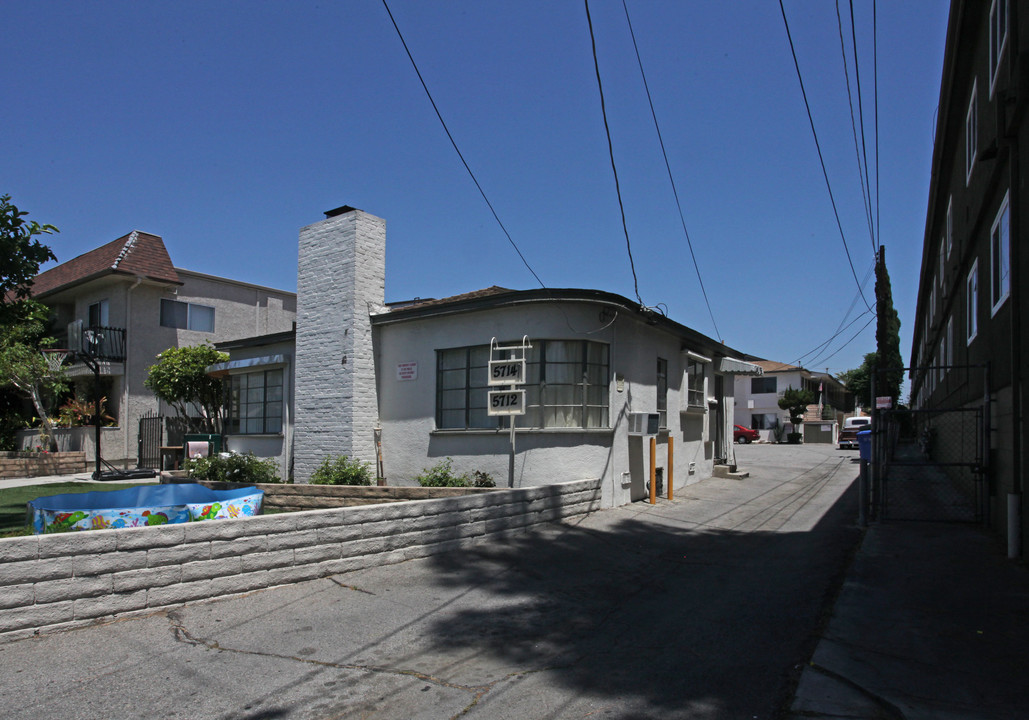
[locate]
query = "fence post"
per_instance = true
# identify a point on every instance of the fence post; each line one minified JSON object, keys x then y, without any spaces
{"x":863,"y":494}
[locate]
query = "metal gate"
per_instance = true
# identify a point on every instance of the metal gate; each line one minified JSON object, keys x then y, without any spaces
{"x":151,"y":438}
{"x":157,"y":431}
{"x":931,"y":462}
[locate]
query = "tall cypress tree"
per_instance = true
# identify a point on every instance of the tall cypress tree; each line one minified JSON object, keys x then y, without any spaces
{"x":887,"y":334}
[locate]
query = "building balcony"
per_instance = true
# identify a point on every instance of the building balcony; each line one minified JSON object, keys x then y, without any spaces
{"x":101,"y":346}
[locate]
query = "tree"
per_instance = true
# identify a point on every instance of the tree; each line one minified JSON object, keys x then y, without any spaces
{"x":21,"y":254}
{"x":22,"y":365}
{"x":179,"y":378}
{"x":859,"y":380}
{"x":887,"y":335}
{"x":795,"y":403}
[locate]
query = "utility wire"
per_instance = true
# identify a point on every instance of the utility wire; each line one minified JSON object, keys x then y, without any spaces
{"x":818,"y":147}
{"x":668,"y":166}
{"x":875,"y":83}
{"x":843,"y":325}
{"x":865,"y":192}
{"x":824,"y":347}
{"x":861,"y":111}
{"x":611,"y":152}
{"x":852,"y":339}
{"x":457,"y":149}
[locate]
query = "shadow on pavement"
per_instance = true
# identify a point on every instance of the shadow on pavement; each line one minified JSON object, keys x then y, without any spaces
{"x":673,"y":619}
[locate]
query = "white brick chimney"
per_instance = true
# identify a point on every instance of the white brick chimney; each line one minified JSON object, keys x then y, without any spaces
{"x":341,"y":277}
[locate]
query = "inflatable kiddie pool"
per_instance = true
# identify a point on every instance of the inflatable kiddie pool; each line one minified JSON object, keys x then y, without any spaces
{"x":141,"y":506}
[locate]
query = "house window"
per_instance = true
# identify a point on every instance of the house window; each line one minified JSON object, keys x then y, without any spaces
{"x":763,"y":421}
{"x":1000,"y":257}
{"x":662,"y":392}
{"x":187,"y":316}
{"x":948,"y":348}
{"x":943,"y":267}
{"x":932,"y":304}
{"x":566,"y":386}
{"x":255,"y":403}
{"x":998,"y":37}
{"x":950,"y":225}
{"x":763,"y":385}
{"x":972,"y":303}
{"x":99,"y":314}
{"x":695,"y":384}
{"x":461,"y":391}
{"x":971,"y":134}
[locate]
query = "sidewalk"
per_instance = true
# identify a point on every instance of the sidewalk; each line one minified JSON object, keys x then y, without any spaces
{"x":77,"y":477}
{"x":932,"y":622}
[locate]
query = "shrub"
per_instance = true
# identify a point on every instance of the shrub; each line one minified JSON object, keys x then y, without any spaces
{"x":481,"y":479}
{"x":233,"y":467}
{"x":442,"y":475}
{"x":341,"y":470}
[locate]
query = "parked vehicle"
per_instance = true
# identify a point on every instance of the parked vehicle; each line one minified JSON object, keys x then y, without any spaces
{"x":851,"y":427}
{"x":744,"y":435}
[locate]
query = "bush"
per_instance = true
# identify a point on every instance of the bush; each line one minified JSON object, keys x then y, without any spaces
{"x":341,"y":470}
{"x":481,"y":479}
{"x":233,"y":468}
{"x":442,"y":475}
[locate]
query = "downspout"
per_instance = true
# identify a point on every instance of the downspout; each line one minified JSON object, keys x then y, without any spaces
{"x":125,"y":368}
{"x":287,"y":421}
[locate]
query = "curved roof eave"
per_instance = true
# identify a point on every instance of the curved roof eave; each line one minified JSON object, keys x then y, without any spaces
{"x":477,"y":302}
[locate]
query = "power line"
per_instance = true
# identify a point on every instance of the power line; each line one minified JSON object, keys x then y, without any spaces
{"x":818,"y":147}
{"x":865,"y":192}
{"x":611,"y":152}
{"x":852,"y":339}
{"x":456,"y":148}
{"x":861,"y":111}
{"x":843,"y":325}
{"x":668,"y":166}
{"x":875,"y":84}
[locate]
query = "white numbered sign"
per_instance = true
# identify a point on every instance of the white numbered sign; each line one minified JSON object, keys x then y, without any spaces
{"x":506,"y":402}
{"x":506,"y":372}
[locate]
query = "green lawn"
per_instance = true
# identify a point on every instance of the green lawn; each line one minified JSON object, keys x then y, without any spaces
{"x":13,"y":501}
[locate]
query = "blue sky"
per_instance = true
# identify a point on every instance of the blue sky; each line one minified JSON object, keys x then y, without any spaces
{"x":224,"y":127}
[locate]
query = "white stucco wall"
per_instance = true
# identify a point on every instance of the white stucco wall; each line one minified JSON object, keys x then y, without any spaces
{"x":407,"y":407}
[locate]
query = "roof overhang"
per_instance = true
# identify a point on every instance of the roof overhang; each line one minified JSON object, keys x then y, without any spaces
{"x":225,"y":368}
{"x":732,"y":366}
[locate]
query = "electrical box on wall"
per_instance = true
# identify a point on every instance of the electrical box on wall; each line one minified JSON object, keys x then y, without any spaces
{"x":644,"y":423}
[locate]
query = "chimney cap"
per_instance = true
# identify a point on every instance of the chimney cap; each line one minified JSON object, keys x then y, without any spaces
{"x":341,"y":210}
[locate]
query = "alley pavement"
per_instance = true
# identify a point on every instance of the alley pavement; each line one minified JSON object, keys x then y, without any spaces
{"x":932,"y":622}
{"x":757,"y":598}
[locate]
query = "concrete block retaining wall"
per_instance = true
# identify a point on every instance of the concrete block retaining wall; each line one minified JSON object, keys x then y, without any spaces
{"x":19,"y":465}
{"x":54,"y":582}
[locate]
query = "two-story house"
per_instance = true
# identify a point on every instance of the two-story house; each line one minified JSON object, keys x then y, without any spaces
{"x":127,"y":300}
{"x":757,"y":402}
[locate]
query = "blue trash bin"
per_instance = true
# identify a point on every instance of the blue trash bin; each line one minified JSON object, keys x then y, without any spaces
{"x":864,"y":438}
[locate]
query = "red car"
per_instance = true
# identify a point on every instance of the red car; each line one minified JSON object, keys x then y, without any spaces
{"x":744,"y":435}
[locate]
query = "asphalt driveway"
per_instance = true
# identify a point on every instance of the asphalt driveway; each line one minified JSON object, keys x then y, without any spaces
{"x":704,"y":607}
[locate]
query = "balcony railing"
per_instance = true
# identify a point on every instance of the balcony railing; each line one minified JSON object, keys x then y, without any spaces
{"x":105,"y":344}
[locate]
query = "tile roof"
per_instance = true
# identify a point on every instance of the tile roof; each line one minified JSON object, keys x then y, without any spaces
{"x":474,"y":295}
{"x":772,"y":366}
{"x":135,"y":254}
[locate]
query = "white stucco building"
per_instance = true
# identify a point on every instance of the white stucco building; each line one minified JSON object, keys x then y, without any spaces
{"x":757,"y":401}
{"x":415,"y":375}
